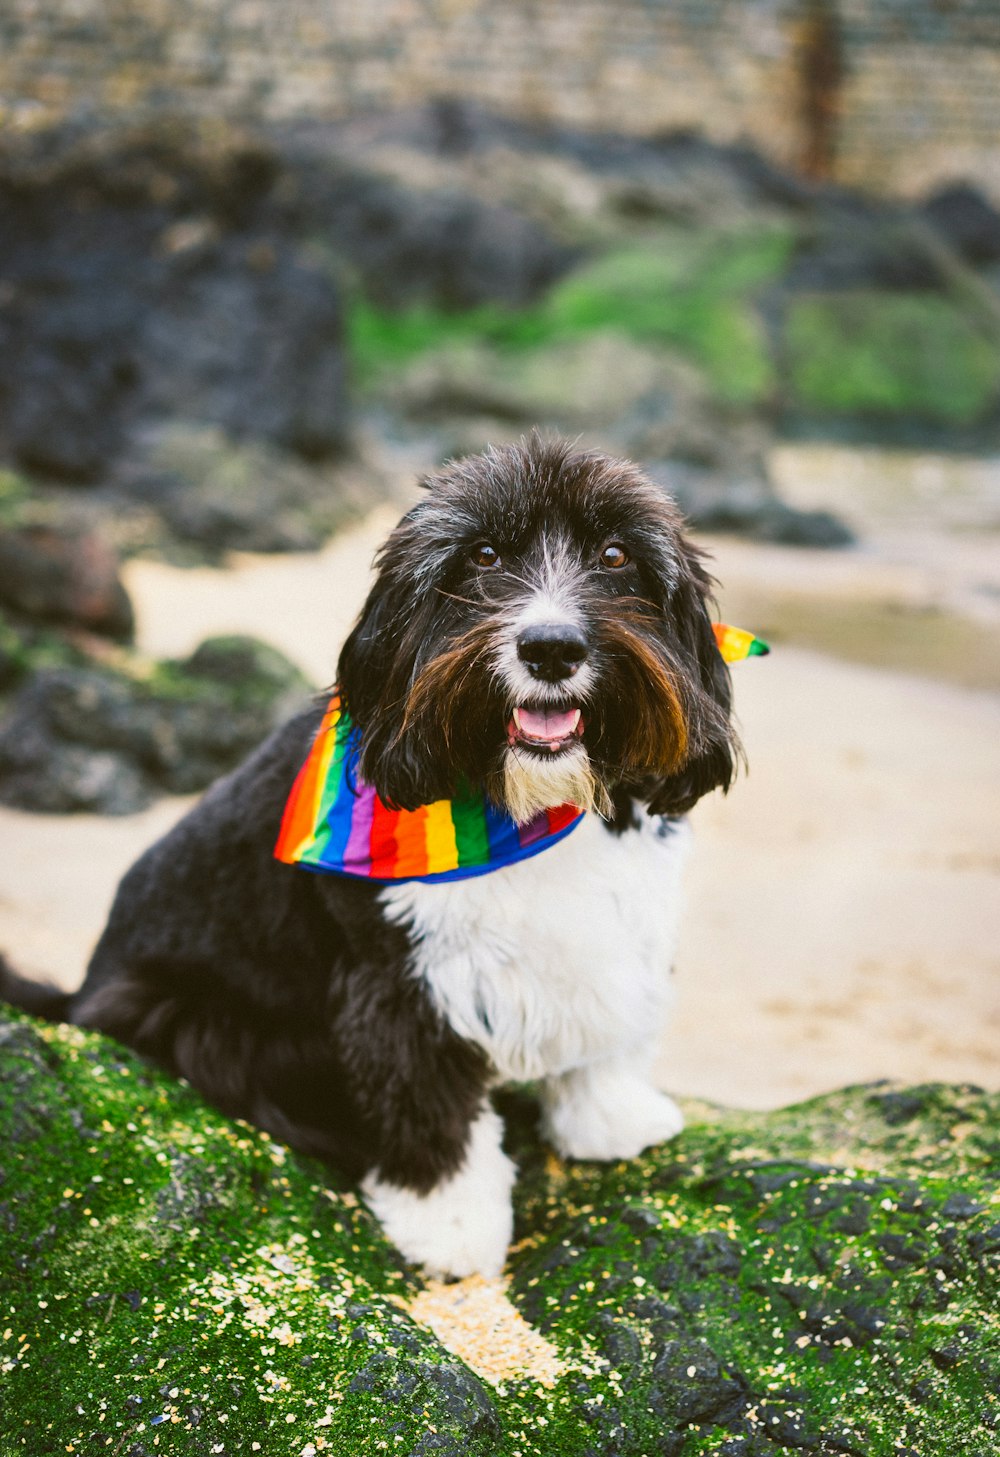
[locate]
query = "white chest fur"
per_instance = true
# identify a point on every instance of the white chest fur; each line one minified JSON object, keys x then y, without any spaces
{"x":560,"y":960}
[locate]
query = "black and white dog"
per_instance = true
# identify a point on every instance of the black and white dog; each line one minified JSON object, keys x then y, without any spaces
{"x":537,"y":627}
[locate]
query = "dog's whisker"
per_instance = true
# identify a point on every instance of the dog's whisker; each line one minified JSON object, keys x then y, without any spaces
{"x":454,"y":597}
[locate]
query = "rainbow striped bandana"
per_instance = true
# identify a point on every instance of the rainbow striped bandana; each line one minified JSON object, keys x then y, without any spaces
{"x":735,"y":643}
{"x":335,"y":822}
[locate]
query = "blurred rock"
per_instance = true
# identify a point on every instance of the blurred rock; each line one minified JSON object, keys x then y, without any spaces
{"x":591,"y":380}
{"x":748,"y":507}
{"x":964,"y":218}
{"x":28,"y":647}
{"x":246,"y":334}
{"x":799,"y":1281}
{"x":584,"y":184}
{"x":85,"y":739}
{"x":67,"y":370}
{"x":436,"y":245}
{"x":66,"y":574}
{"x":859,"y":248}
{"x":154,"y":276}
{"x":224,"y":495}
{"x":621,"y":394}
{"x":137,"y":288}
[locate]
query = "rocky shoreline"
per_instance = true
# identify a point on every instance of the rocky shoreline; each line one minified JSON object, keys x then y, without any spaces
{"x":820,"y":1280}
{"x":215,"y":340}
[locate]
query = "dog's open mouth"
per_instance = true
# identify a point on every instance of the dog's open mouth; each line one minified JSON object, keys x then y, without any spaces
{"x":546,"y":730}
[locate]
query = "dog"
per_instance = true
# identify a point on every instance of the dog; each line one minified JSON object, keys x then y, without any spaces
{"x":536,"y":644}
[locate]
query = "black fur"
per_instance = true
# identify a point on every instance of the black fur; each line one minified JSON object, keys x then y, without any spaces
{"x":31,"y":996}
{"x":285,"y":995}
{"x":279,"y":993}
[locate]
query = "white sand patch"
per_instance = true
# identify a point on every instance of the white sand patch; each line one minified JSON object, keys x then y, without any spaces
{"x":476,"y":1321}
{"x":843,"y":918}
{"x":304,"y":604}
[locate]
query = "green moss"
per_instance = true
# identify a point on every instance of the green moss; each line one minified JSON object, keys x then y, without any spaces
{"x":818,"y":1280}
{"x":891,"y":355}
{"x":110,"y":733}
{"x":382,"y":339}
{"x":696,"y":291}
{"x":690,"y":290}
{"x":14,"y":496}
{"x":814,"y":1267}
{"x":28,"y":648}
{"x":230,"y":668}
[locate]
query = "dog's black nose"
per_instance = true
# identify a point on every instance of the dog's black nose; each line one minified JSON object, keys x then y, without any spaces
{"x":552,"y":650}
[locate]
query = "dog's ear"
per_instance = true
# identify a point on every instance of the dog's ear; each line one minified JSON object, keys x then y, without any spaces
{"x":714,"y":748}
{"x":374,"y":674}
{"x":366,"y":659}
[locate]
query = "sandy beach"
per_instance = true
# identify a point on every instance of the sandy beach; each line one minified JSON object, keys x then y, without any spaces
{"x":843,"y":918}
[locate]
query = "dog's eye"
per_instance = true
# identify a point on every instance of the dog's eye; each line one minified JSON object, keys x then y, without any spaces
{"x":614,"y":555}
{"x":485,"y":556}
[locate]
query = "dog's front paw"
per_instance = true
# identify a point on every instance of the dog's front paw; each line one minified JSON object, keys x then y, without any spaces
{"x":604,"y":1119}
{"x":464,"y":1225}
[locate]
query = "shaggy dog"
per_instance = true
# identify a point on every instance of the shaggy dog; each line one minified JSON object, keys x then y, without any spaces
{"x":537,"y":630}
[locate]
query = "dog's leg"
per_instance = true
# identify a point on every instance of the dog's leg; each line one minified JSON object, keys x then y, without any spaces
{"x":607,"y":1110}
{"x":463,"y":1225}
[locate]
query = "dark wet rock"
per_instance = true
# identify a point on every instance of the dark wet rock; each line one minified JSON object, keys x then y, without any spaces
{"x":587,"y":382}
{"x":66,"y":574}
{"x":220,"y":1282}
{"x":223,"y":495}
{"x":177,"y":275}
{"x":85,"y":739}
{"x":688,"y":1384}
{"x":438,"y":246}
{"x":247,"y":335}
{"x":961,"y":1206}
{"x":67,"y":370}
{"x":985,"y":1245}
{"x":745,"y":505}
{"x":238,"y":333}
{"x":618,"y":1342}
{"x":854,"y":1215}
{"x":966,"y":220}
{"x":900,"y":1107}
{"x":135,"y":291}
{"x":747,"y":1447}
{"x":877,"y":252}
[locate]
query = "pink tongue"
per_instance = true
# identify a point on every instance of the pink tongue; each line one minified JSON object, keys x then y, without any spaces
{"x":548,"y":726}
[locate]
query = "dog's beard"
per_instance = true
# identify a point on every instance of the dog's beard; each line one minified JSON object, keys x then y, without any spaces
{"x":530,"y":783}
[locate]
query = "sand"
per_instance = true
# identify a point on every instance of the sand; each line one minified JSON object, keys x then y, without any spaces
{"x":843,"y":916}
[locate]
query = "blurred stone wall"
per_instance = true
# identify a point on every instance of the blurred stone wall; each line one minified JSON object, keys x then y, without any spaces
{"x":894,"y":94}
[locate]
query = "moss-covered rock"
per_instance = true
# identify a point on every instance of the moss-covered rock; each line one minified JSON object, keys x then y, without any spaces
{"x":821,"y":1280}
{"x":27,"y":648}
{"x":226,"y":495}
{"x":593,"y":379}
{"x":691,"y":293}
{"x":891,"y":355}
{"x":111,"y":736}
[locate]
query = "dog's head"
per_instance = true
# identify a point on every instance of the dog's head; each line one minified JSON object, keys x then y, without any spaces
{"x":538,"y":626}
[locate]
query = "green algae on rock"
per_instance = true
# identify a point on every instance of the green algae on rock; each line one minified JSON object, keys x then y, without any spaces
{"x":110,"y":735}
{"x":820,"y":1280}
